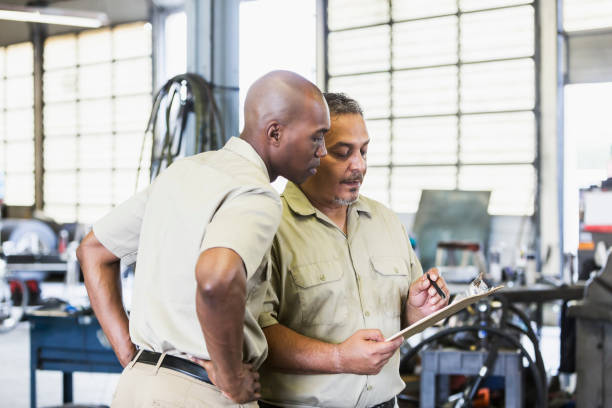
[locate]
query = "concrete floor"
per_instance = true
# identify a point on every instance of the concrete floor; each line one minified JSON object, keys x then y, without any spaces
{"x":89,"y":388}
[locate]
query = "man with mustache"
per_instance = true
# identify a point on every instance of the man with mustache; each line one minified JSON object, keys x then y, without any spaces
{"x":201,"y":234}
{"x":344,"y":277}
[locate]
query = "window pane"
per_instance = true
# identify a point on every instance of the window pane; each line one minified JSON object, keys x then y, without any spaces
{"x":132,"y":76}
{"x":60,"y":52}
{"x":61,"y":85}
{"x":60,"y":119}
{"x":20,"y":156}
{"x":124,"y":182}
{"x":426,"y":42}
{"x":495,"y":86}
{"x":586,"y":14}
{"x":91,"y":213}
{"x":95,"y":116}
{"x":60,"y":154}
{"x":95,"y":187}
{"x":95,"y":46}
{"x":95,"y":81}
{"x":361,"y":50}
{"x":132,"y":40}
{"x":132,"y":113}
{"x":425,"y":140}
{"x":2,"y":99}
{"x":470,"y":5}
{"x":379,"y":149}
{"x":19,"y":92}
{"x":19,"y":124}
{"x":497,"y":34}
{"x":127,"y":150}
{"x":407,"y":183}
{"x":498,"y":138}
{"x":425,"y":91}
{"x":60,"y":187}
{"x":19,"y":59}
{"x":96,"y":152}
{"x":375,"y":184}
{"x":404,"y":10}
{"x":355,"y":13}
{"x":371,"y":91}
{"x":61,"y":213}
{"x":19,"y":188}
{"x":512,"y":187}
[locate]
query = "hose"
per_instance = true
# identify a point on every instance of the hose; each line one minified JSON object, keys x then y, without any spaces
{"x":199,"y":100}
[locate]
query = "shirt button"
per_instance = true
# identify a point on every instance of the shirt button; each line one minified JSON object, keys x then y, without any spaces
{"x":369,"y":388}
{"x":322,"y":277}
{"x":367,"y":313}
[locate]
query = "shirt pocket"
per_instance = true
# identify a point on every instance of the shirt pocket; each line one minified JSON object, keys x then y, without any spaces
{"x":320,"y":290}
{"x":392,"y":281}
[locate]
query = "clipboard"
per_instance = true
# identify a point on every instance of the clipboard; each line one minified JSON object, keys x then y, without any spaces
{"x":441,"y":314}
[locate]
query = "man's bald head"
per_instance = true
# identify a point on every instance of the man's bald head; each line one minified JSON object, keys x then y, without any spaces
{"x":285,"y":118}
{"x":278,"y":95}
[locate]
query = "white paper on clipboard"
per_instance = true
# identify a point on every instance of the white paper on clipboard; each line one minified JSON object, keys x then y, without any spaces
{"x":441,"y":314}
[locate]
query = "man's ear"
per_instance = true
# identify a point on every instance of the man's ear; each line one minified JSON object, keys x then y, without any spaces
{"x":274,"y":133}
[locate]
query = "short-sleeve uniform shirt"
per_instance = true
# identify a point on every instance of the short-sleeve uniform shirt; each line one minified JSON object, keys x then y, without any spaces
{"x":213,"y":199}
{"x":327,"y":285}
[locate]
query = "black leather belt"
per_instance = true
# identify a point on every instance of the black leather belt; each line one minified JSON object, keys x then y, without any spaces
{"x":386,"y":404}
{"x":175,"y":363}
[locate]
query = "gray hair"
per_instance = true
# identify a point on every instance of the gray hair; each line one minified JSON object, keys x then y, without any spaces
{"x":340,"y":104}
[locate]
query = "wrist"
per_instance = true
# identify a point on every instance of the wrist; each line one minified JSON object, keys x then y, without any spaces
{"x":338,"y":359}
{"x":126,"y":354}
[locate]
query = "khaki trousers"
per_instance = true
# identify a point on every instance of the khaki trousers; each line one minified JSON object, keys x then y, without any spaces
{"x":147,"y":386}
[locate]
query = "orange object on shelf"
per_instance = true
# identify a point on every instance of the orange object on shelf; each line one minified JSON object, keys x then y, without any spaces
{"x":586,"y":246}
{"x":482,"y":398}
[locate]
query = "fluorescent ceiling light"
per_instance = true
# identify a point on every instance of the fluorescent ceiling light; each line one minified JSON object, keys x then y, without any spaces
{"x":53,"y":16}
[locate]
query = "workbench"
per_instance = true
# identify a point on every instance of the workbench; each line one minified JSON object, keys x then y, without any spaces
{"x":68,"y":344}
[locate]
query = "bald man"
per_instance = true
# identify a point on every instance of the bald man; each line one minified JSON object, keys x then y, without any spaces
{"x":201,"y":234}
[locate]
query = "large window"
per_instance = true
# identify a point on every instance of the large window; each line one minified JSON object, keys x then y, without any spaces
{"x":587,"y":30}
{"x":449,"y":93}
{"x":97,"y":98}
{"x":17,"y":123}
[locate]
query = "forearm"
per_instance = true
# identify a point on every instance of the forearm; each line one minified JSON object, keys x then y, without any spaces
{"x":107,"y":303}
{"x":103,"y":283}
{"x":292,"y":352}
{"x":220,"y":309}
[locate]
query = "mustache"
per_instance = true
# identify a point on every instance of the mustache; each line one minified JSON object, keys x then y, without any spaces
{"x":354,"y":177}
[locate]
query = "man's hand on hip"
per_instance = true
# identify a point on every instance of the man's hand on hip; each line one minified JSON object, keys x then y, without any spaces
{"x":126,"y":352}
{"x":366,"y":352}
{"x":241,"y":388}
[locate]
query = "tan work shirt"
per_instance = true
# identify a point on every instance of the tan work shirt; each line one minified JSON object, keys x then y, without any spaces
{"x":327,"y":285}
{"x":214,"y":199}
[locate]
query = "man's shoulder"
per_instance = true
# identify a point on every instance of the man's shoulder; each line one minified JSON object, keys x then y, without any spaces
{"x":222,"y":167}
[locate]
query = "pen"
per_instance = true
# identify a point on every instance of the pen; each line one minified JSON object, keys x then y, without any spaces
{"x":436,"y":287}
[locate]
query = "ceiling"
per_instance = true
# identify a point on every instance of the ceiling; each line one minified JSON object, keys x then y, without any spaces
{"x":118,"y":11}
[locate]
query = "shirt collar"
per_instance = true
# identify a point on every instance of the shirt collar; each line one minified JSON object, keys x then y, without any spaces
{"x":244,"y":149}
{"x":299,"y":203}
